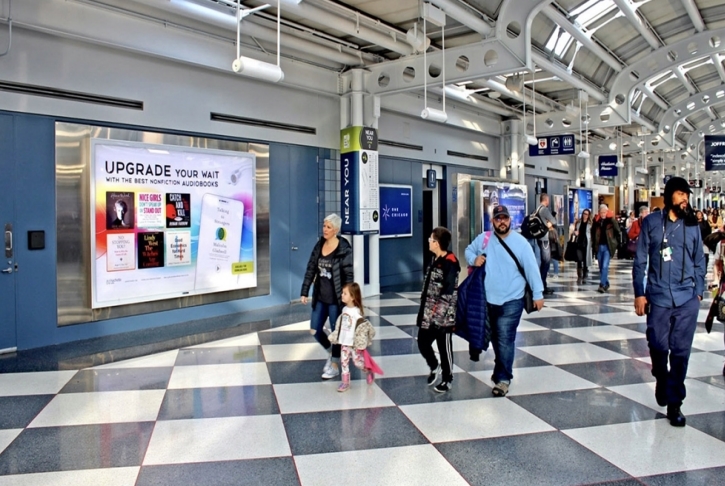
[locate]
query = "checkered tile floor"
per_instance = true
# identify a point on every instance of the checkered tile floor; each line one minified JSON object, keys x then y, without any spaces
{"x":252,"y":409}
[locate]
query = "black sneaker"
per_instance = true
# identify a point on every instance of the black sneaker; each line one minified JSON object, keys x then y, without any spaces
{"x":606,"y":287}
{"x":675,"y":416}
{"x":601,"y":289}
{"x":434,"y":375}
{"x":442,"y":387}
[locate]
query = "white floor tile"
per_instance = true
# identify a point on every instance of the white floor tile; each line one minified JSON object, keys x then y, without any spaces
{"x":580,"y":294}
{"x":158,"y":360}
{"x":704,"y":364}
{"x":539,"y":379}
{"x":547,"y":312}
{"x":421,"y":465}
{"x":401,"y":319}
{"x":409,"y":295}
{"x":709,"y":342}
{"x":376,"y":303}
{"x":701,"y":397}
{"x":297,"y":326}
{"x":652,"y":447}
{"x":526,"y":326}
{"x":243,"y":340}
{"x":293,"y":352}
{"x":100,"y":408}
{"x":396,"y":366}
{"x":562,"y":303}
{"x":370,"y":313}
{"x":473,"y":419}
{"x":390,"y":332}
{"x":558,"y":354}
{"x":217,"y":439}
{"x":41,"y":383}
{"x":615,"y":318}
{"x":7,"y":436}
{"x":702,"y":315}
{"x":205,"y":376}
{"x":317,"y":397}
{"x":116,"y":476}
{"x":601,"y":333}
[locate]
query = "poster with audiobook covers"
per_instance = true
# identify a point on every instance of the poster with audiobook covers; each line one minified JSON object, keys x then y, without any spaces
{"x":170,"y":221}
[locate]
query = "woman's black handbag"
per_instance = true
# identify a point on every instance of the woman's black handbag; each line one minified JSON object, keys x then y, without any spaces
{"x":570,"y":254}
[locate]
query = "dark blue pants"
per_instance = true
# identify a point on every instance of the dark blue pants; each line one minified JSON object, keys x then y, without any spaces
{"x":670,"y":331}
{"x":504,"y":320}
{"x":320,"y":313}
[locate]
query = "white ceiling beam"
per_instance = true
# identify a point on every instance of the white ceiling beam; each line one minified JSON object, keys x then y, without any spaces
{"x":679,"y":112}
{"x":584,"y":37}
{"x":464,"y":16}
{"x":694,"y":14}
{"x":683,"y":79}
{"x":630,"y":12}
{"x":654,"y":97}
{"x":565,"y":75}
{"x":717,"y":62}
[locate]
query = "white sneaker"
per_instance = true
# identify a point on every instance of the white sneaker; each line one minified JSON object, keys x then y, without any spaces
{"x":332,"y":372}
{"x":328,"y":364}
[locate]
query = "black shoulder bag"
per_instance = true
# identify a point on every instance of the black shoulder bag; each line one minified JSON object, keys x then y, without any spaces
{"x":528,"y":293}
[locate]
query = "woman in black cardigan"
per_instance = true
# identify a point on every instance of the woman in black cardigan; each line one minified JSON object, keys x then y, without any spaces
{"x":329,"y":268}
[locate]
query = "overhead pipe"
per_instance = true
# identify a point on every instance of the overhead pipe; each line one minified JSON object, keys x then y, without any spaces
{"x":564,"y":75}
{"x":631,"y":14}
{"x":464,"y":16}
{"x":694,"y":14}
{"x":584,"y":38}
{"x":347,"y":26}
{"x":228,"y":21}
{"x":477,"y":102}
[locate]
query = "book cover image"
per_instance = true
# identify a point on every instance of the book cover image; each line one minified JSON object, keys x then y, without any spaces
{"x":151,"y":249}
{"x":121,"y":252}
{"x":178,"y":210}
{"x":120,"y":210}
{"x":178,"y":248}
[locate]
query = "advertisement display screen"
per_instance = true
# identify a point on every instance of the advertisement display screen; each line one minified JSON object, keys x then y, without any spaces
{"x":170,"y":221}
{"x":513,"y":196}
{"x":396,"y":210}
{"x":558,"y":207}
{"x":359,"y":192}
{"x":714,"y":152}
{"x":579,"y":200}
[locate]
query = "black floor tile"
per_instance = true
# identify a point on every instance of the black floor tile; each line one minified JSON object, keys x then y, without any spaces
{"x":411,"y":390}
{"x":226,"y":355}
{"x":634,"y":348}
{"x":584,"y":408}
{"x":395,"y":310}
{"x":551,"y":458}
{"x":76,"y":447}
{"x":118,"y":379}
{"x":612,"y":373}
{"x":387,"y":347}
{"x":235,"y":401}
{"x":711,"y":423}
{"x":541,"y":338}
{"x":581,"y":310}
{"x":277,"y":471}
{"x":18,"y":412}
{"x":348,"y":430}
{"x":285,"y":372}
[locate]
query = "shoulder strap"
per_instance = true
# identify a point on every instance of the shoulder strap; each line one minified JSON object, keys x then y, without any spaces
{"x":486,"y":237}
{"x":516,"y":260}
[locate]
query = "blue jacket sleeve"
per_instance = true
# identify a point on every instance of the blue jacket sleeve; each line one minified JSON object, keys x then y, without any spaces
{"x":474,"y":249}
{"x":640,"y":258}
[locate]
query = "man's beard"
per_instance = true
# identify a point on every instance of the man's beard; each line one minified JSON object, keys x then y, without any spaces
{"x":679,"y":212}
{"x":502,"y":231}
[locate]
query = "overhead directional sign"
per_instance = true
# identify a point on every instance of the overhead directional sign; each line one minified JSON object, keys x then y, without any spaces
{"x":553,"y":145}
{"x":608,"y":166}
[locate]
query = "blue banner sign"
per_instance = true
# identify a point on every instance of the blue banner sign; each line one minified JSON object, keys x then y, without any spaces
{"x":553,"y":145}
{"x":608,"y":166}
{"x":714,"y":152}
{"x":396,"y":210}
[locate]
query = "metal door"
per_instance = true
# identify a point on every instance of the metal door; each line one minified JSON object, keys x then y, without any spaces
{"x":8,"y":267}
{"x":304,"y":228}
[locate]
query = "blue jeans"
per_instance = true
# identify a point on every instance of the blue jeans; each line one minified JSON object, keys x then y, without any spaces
{"x":504,"y":320}
{"x":603,"y":258}
{"x":542,"y":252}
{"x":320,"y":313}
{"x":670,"y":331}
{"x":556,"y":266}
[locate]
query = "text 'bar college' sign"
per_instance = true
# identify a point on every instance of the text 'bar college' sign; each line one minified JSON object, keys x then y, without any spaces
{"x":608,"y":166}
{"x":359,"y":192}
{"x":553,"y":145}
{"x":714,"y":152}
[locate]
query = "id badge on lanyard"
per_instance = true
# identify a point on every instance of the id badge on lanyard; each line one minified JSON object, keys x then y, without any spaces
{"x":666,"y":250}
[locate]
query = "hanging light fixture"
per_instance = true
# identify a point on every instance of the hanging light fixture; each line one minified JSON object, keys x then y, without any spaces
{"x":252,"y":67}
{"x":432,"y":13}
{"x":531,"y":140}
{"x":583,"y":154}
{"x":620,"y":160}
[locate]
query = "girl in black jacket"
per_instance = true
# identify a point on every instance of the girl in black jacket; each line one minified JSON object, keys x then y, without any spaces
{"x":330,"y":267}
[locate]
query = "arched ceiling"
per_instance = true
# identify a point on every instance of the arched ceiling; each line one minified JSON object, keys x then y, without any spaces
{"x":651,"y":69}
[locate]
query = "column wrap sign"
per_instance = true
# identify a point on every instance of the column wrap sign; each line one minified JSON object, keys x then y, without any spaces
{"x":359,"y":191}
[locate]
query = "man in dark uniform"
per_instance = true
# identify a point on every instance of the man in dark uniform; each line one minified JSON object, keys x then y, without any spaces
{"x":672,"y":243}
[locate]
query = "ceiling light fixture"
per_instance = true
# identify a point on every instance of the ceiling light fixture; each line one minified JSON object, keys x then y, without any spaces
{"x":432,"y":114}
{"x":531,"y":140}
{"x":620,"y":160}
{"x":583,"y":154}
{"x":253,"y":67}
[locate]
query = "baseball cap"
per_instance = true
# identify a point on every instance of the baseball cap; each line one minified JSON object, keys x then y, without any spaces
{"x":500,"y":211}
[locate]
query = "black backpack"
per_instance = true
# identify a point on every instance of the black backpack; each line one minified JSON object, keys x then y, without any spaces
{"x":533,"y":227}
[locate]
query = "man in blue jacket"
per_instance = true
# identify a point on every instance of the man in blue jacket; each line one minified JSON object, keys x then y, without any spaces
{"x":670,"y":240}
{"x":505,"y":286}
